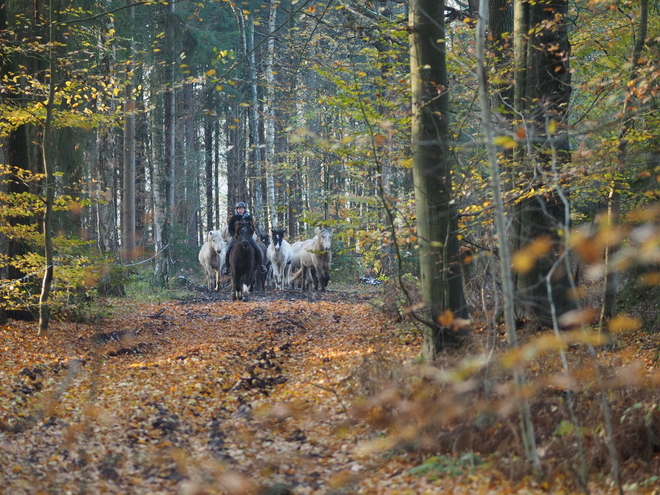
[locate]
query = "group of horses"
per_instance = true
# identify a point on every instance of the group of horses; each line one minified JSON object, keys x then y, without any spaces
{"x":289,"y":265}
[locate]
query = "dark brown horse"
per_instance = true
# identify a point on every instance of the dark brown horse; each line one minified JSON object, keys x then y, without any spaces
{"x":259,"y":279}
{"x":242,"y":261}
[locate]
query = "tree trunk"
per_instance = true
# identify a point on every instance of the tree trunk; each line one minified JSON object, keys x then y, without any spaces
{"x":442,"y":288}
{"x":128,"y":196}
{"x":166,"y":200}
{"x":542,"y":88}
{"x":160,"y":223}
{"x":255,"y":141}
{"x":49,"y":184}
{"x":190,"y":201}
{"x":16,"y":156}
{"x":209,"y":122}
{"x":106,"y":156}
{"x":216,"y":166}
{"x":169,"y":107}
{"x":527,"y":426}
{"x":269,"y":113}
{"x":614,"y":197}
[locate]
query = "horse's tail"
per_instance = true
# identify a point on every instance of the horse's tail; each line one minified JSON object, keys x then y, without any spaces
{"x":297,"y":275}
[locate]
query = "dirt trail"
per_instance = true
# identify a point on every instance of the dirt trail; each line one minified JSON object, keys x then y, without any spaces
{"x":203,"y":395}
{"x":209,"y":396}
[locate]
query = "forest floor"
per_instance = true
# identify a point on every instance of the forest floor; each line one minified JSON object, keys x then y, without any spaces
{"x":297,"y":393}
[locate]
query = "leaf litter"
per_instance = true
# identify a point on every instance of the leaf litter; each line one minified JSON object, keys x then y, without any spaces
{"x":283,"y":394}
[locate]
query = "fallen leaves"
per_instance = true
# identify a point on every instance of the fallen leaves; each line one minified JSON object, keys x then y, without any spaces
{"x":192,"y":397}
{"x":204,"y":397}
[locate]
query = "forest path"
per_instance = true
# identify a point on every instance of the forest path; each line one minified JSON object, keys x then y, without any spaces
{"x":209,"y":396}
{"x":203,"y":395}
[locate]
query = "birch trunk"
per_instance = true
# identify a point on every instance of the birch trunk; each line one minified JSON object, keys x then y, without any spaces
{"x":269,"y":113}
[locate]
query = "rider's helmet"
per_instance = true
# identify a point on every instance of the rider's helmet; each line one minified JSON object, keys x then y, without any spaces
{"x":240,"y":204}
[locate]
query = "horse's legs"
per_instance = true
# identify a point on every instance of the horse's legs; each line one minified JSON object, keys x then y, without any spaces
{"x":234,"y":286}
{"x":278,"y":273}
{"x":303,"y":285}
{"x":315,"y":278}
{"x":323,"y":278}
{"x":287,"y":275}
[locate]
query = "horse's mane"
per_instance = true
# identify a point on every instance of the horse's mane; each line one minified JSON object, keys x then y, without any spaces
{"x":242,"y":222}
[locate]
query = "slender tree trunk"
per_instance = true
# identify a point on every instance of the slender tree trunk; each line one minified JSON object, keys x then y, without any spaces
{"x":313,"y":166}
{"x":143,"y":203}
{"x":269,"y":113}
{"x":255,"y":141}
{"x":190,"y":201}
{"x":614,"y":197}
{"x":209,"y":122}
{"x":232,"y":145}
{"x":128,"y":196}
{"x":160,"y":223}
{"x":169,"y":98}
{"x":49,"y":184}
{"x":442,"y":289}
{"x":527,"y":426}
{"x":168,"y":213}
{"x":106,"y":155}
{"x":216,"y":166}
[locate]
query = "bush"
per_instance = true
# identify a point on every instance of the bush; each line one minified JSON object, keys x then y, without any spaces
{"x":395,"y":302}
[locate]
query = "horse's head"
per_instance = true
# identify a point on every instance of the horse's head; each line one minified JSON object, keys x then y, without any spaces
{"x":244,"y":231}
{"x":278,"y":236}
{"x":216,"y":241}
{"x":325,"y":238}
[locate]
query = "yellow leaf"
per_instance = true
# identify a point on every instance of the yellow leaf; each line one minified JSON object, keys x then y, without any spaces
{"x":446,"y":318}
{"x":505,"y":142}
{"x":623,"y":323}
{"x":652,"y":278}
{"x":524,"y":260}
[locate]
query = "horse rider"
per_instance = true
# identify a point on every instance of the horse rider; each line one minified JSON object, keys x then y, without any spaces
{"x":240,"y":213}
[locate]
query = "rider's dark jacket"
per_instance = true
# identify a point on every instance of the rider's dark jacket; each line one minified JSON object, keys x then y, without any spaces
{"x":237,"y":217}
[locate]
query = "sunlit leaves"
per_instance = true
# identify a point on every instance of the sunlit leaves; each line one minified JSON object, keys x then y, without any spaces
{"x":506,"y":142}
{"x":623,"y":323}
{"x":525,"y":259}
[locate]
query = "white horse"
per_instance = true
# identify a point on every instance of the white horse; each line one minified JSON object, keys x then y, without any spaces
{"x":279,"y":255}
{"x":315,"y":259}
{"x":295,"y":260}
{"x":212,"y":257}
